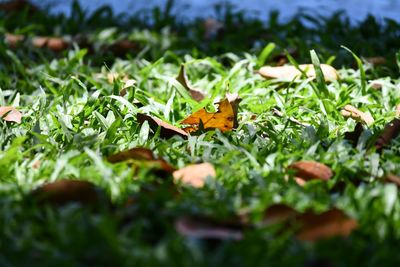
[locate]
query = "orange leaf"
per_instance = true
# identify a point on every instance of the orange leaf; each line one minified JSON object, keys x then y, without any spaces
{"x":195,"y":174}
{"x":224,"y":119}
{"x":167,"y":130}
{"x":10,"y":114}
{"x":292,"y":73}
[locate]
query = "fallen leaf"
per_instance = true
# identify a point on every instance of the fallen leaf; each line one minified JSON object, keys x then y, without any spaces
{"x":128,"y":83}
{"x":17,"y":6}
{"x":224,"y":119}
{"x":212,"y":28}
{"x":278,"y":213}
{"x":13,"y":39}
{"x":354,"y":113}
{"x":376,"y":60}
{"x":354,"y":135}
{"x":123,"y":47}
{"x":331,"y":223}
{"x":140,"y":154}
{"x":377,"y":85}
{"x":391,"y":178}
{"x":10,"y":114}
{"x":310,"y":170}
{"x":200,"y":228}
{"x":63,"y":192}
{"x":166,"y":130}
{"x":292,"y":73}
{"x":391,"y":131}
{"x":183,"y":80}
{"x":56,"y":44}
{"x":195,"y":174}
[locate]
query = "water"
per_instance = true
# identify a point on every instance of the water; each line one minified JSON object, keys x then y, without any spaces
{"x":356,"y":9}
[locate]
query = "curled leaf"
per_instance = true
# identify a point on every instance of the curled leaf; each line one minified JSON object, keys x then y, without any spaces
{"x":195,"y":174}
{"x":166,"y":130}
{"x":391,"y":131}
{"x":354,"y":113}
{"x":331,"y":223}
{"x":10,"y":114}
{"x":63,"y":192}
{"x":200,"y":228}
{"x":310,"y":170}
{"x":292,"y":73}
{"x":183,"y":80}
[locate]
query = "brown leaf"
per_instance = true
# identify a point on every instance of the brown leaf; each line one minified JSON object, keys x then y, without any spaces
{"x":195,"y":174}
{"x":292,"y":73}
{"x":140,"y":154}
{"x":183,"y":80}
{"x":331,"y":223}
{"x":212,"y":29}
{"x":193,"y":227}
{"x":13,"y":39}
{"x":282,"y":59}
{"x":377,"y":85}
{"x":17,"y":6}
{"x":354,"y":135}
{"x":56,"y":44}
{"x":166,"y":130}
{"x":376,"y":60}
{"x":390,"y":132}
{"x":63,"y":192}
{"x":10,"y":114}
{"x":391,"y":178}
{"x":278,"y":213}
{"x":310,"y":170}
{"x":354,"y":113}
{"x":123,"y":47}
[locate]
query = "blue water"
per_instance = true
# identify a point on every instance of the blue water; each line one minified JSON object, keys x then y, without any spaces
{"x":356,"y":9}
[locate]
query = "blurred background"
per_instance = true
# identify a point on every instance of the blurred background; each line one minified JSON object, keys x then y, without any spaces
{"x":186,"y":9}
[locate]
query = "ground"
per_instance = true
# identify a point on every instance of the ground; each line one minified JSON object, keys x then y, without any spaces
{"x":80,"y":96}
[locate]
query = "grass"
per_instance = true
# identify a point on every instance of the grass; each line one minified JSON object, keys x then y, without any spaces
{"x":73,"y":118}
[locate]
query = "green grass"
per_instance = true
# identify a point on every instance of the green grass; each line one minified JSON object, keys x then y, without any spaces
{"x":73,"y":118}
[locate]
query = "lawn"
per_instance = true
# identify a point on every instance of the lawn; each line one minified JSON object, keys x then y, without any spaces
{"x":306,"y":172}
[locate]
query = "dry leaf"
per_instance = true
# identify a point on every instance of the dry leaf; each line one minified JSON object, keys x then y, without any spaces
{"x":377,"y":85}
{"x":291,"y":72}
{"x":63,"y":192}
{"x":56,"y":44}
{"x":310,"y":170}
{"x":354,"y":135}
{"x":391,"y":178}
{"x":376,"y":60}
{"x":13,"y":39}
{"x":10,"y":114}
{"x":123,"y":47}
{"x":391,"y":131}
{"x":278,"y":213}
{"x":354,"y":113}
{"x":224,"y":119}
{"x":140,"y":154}
{"x":166,"y":130}
{"x":183,"y":80}
{"x":193,"y":227}
{"x":195,"y":174}
{"x":329,"y":224}
{"x":212,"y":28}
